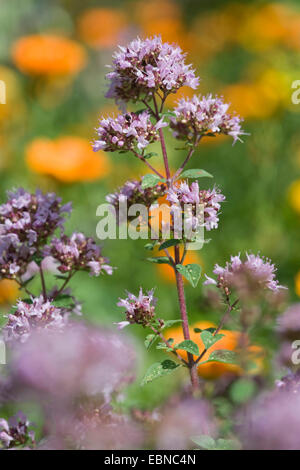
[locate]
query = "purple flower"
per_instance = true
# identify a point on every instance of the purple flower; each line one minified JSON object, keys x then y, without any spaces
{"x":289,"y":323}
{"x":133,"y":193}
{"x":77,"y":362}
{"x":204,"y":115}
{"x":28,"y":317}
{"x":181,"y":421}
{"x":258,"y":271}
{"x":272,"y":422}
{"x":147,"y":66}
{"x":127,"y":132}
{"x":26,"y":222}
{"x":15,"y":432}
{"x":140,"y":309}
{"x":188,"y":198}
{"x":78,"y":253}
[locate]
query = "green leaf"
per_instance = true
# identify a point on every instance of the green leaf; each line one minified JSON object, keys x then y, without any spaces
{"x":63,"y":278}
{"x":150,"y":155}
{"x":199,"y":330}
{"x":27,"y":300}
{"x":209,"y":339}
{"x":150,"y":180}
{"x":150,"y":340}
{"x":168,"y":243}
{"x":206,"y":442}
{"x":242,"y":390}
{"x":150,"y":246}
{"x":163,"y":345}
{"x":189,"y":346}
{"x":195,"y":174}
{"x":168,"y":323}
{"x":159,"y":369}
{"x":159,"y":260}
{"x":191,"y":272}
{"x":227,"y":444}
{"x":222,"y":355}
{"x":168,"y":114}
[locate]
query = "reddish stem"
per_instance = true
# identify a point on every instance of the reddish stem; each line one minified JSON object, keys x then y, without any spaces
{"x":185,"y":321}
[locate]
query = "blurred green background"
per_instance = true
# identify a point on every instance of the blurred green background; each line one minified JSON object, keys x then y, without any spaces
{"x":247,"y":51}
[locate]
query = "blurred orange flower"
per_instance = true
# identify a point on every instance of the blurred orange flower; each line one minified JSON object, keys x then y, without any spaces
{"x":232,"y":341}
{"x":256,"y":99}
{"x":68,"y":159}
{"x":294,"y":195}
{"x":48,"y":55}
{"x":9,"y":291}
{"x":101,"y":27}
{"x":297,"y":283}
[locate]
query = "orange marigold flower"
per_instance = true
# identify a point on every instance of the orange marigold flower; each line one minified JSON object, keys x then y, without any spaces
{"x":50,"y":55}
{"x":297,"y":283}
{"x":232,"y":341}
{"x":8,"y":291}
{"x":101,"y":27}
{"x":68,"y":159}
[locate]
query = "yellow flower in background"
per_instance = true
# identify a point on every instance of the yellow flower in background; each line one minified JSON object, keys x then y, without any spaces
{"x":9,"y":291}
{"x":164,"y":18}
{"x":153,"y":10}
{"x":102,"y":27}
{"x":259,"y":98}
{"x":14,"y":106}
{"x":294,"y":195}
{"x":48,"y":55}
{"x":68,"y":159}
{"x":297,"y":283}
{"x":265,"y":26}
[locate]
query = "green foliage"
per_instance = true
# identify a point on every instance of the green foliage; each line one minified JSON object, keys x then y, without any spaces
{"x":188,"y":346}
{"x":209,"y":339}
{"x":191,"y":272}
{"x":242,"y":390}
{"x":195,"y":174}
{"x":222,"y":355}
{"x":159,"y":369}
{"x":149,"y":181}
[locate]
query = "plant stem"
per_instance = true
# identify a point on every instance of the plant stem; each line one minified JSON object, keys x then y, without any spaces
{"x":43,"y":283}
{"x":140,"y":157}
{"x":63,"y":285}
{"x":185,"y":321}
{"x":188,"y":157}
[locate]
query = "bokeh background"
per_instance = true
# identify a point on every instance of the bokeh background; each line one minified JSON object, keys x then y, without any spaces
{"x":248,"y":51}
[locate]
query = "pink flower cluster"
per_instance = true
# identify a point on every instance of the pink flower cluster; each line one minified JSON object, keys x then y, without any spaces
{"x":181,"y":194}
{"x":31,"y":316}
{"x":83,"y":361}
{"x":201,"y":115}
{"x":127,"y":132}
{"x":26,"y":221}
{"x":147,"y":66}
{"x":77,"y":253}
{"x":139,"y":310}
{"x":133,"y":193}
{"x":15,"y":432}
{"x":259,"y":271}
